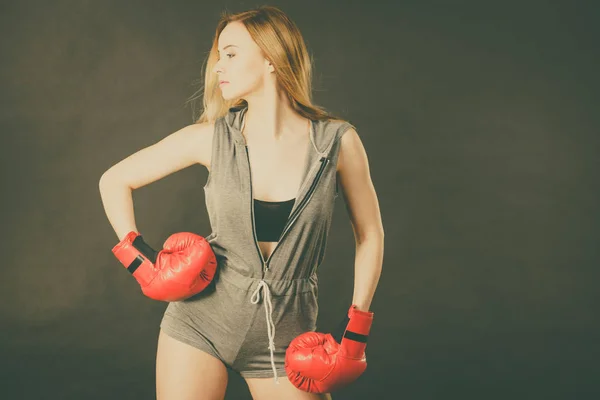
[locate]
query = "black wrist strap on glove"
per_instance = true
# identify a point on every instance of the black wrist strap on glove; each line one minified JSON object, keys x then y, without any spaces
{"x":146,"y":251}
{"x":338,"y":333}
{"x":342,"y":332}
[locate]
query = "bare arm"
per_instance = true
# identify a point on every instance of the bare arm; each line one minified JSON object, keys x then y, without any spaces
{"x":187,"y":146}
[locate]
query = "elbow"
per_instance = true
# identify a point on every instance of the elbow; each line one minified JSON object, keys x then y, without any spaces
{"x":104,"y":179}
{"x":108,"y":178}
{"x":377,"y":236}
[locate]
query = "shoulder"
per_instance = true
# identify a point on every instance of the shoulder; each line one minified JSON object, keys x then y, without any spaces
{"x":339,"y":126}
{"x":199,"y":139}
{"x":350,"y":145}
{"x":331,"y":130}
{"x":343,"y":135}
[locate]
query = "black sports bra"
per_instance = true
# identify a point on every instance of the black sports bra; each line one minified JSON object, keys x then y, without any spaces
{"x":270,"y":217}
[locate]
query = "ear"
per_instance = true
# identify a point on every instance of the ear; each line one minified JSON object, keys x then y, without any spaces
{"x":270,"y":67}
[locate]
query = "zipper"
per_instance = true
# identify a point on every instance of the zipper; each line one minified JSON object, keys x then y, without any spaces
{"x":324,"y":161}
{"x":292,"y":218}
{"x":252,"y":212}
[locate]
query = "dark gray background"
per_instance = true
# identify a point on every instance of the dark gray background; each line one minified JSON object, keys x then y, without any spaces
{"x":480,"y":119}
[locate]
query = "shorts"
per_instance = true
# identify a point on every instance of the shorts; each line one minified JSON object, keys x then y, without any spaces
{"x":230,"y":319}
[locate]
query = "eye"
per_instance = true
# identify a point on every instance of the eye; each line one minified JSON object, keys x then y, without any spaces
{"x":228,"y":54}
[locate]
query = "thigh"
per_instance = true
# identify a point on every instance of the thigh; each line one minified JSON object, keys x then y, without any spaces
{"x":184,"y":372}
{"x":267,"y":389}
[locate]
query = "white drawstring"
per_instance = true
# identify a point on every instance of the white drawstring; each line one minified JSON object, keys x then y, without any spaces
{"x":270,"y":325}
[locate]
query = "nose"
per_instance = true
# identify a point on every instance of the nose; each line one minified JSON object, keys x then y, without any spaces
{"x":217,"y":67}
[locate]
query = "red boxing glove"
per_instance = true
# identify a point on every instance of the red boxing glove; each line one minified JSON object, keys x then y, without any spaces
{"x":184,"y":267}
{"x":315,"y":362}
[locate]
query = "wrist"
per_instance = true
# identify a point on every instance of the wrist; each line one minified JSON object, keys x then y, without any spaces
{"x":361,"y":306}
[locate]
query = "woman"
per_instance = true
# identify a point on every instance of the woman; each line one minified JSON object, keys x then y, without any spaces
{"x":274,"y":161}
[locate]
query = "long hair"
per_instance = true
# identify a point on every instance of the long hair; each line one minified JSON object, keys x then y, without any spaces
{"x":282,"y":44}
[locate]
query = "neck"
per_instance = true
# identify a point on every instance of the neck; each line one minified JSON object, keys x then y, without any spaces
{"x":270,"y":117}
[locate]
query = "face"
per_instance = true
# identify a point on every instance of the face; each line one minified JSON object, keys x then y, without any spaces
{"x":240,"y":63}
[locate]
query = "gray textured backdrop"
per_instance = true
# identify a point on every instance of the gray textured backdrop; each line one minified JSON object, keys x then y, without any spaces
{"x":480,"y":119}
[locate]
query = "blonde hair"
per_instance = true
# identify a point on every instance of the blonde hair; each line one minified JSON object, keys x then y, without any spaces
{"x":282,"y":44}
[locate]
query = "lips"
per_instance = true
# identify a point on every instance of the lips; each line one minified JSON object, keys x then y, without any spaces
{"x":222,"y":82}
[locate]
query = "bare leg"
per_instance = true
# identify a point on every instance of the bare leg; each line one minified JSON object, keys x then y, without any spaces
{"x":184,"y":372}
{"x":267,"y":389}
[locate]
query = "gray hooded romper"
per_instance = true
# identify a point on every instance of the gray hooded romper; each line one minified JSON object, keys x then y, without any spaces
{"x":227,"y":319}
